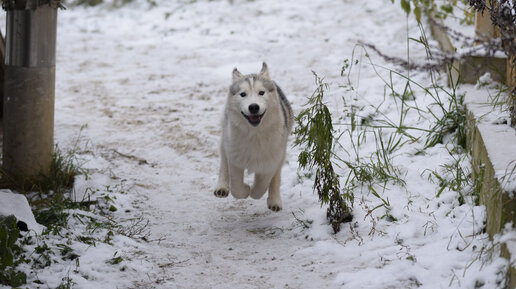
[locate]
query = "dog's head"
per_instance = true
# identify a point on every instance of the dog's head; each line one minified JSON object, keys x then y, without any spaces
{"x":251,"y":94}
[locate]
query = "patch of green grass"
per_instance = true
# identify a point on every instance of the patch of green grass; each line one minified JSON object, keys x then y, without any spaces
{"x":67,"y":222}
{"x":66,"y":284}
{"x":115,"y":260}
{"x":57,"y":182}
{"x":451,"y":119}
{"x":455,"y":176}
{"x":303,"y":223}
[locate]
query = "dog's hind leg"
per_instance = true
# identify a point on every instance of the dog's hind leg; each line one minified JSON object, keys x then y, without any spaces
{"x":239,"y":190}
{"x":260,"y":186}
{"x":274,"y":199}
{"x":222,"y":189}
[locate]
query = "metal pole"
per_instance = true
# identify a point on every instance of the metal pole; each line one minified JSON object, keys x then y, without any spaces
{"x":29,"y":87}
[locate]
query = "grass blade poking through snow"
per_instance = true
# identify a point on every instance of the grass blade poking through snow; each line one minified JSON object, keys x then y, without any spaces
{"x":315,"y":134}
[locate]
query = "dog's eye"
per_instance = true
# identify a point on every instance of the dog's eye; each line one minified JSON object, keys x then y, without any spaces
{"x":261,"y":92}
{"x":243,"y":94}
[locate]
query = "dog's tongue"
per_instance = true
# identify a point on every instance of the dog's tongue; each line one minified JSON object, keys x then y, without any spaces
{"x":254,"y":118}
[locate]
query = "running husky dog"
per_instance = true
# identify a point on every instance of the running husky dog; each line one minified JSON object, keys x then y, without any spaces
{"x":257,"y":121}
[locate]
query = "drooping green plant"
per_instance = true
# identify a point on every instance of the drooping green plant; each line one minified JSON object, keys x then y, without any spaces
{"x":315,"y":134}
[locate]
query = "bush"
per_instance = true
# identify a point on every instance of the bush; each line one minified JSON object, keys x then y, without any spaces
{"x":9,"y":234}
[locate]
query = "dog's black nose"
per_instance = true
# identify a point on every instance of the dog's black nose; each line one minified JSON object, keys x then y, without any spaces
{"x":254,"y":108}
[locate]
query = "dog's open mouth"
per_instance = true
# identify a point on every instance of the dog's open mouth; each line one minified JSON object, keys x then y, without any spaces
{"x":254,"y":119}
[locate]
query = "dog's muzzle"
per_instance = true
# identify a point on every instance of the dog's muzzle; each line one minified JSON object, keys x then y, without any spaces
{"x":253,"y":119}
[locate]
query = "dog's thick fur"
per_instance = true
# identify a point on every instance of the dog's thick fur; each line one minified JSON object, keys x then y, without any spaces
{"x":256,"y":125}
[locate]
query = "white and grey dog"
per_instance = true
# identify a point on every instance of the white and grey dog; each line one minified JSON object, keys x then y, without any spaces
{"x":256,"y":125}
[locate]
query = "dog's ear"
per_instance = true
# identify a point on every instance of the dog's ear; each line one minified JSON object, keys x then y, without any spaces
{"x":265,"y":71}
{"x":236,"y":74}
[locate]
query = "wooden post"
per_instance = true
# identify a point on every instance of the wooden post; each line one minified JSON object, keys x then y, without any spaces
{"x":511,"y":82}
{"x":29,"y":87}
{"x":484,"y":28}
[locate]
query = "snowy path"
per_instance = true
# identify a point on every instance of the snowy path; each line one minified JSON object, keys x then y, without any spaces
{"x":148,"y":87}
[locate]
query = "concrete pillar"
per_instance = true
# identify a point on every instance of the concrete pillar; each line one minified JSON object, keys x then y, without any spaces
{"x":2,"y":70}
{"x":29,"y":87}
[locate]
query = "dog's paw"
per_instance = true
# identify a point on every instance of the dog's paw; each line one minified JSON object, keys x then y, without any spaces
{"x":242,"y":192}
{"x":275,"y":208}
{"x":274,"y":204}
{"x":256,"y":194}
{"x":221,"y":193}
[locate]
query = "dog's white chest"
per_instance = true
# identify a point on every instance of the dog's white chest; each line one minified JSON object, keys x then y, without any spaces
{"x":260,"y":153}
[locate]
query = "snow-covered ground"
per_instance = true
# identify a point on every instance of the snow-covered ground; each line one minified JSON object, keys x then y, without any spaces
{"x":141,"y":90}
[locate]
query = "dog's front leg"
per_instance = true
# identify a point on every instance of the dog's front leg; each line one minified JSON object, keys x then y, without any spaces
{"x":222,"y":189}
{"x":274,"y":199}
{"x":260,"y":186}
{"x":239,"y":190}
